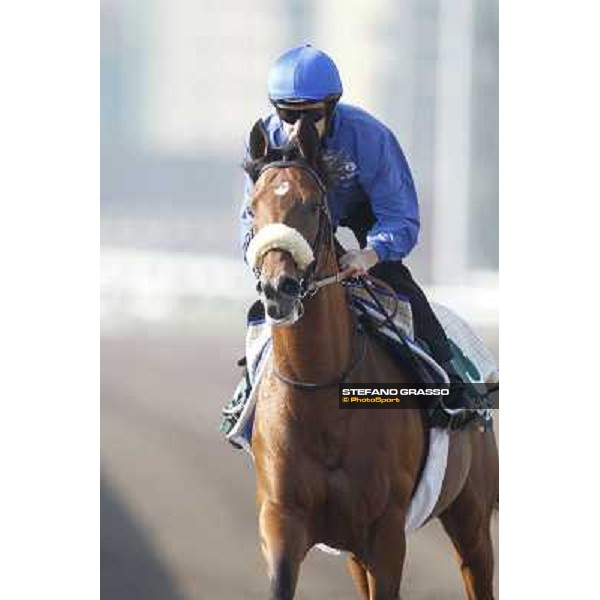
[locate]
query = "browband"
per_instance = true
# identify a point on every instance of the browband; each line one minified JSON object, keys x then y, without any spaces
{"x":281,"y":164}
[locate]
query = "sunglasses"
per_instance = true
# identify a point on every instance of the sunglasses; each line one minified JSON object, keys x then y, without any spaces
{"x":291,"y":115}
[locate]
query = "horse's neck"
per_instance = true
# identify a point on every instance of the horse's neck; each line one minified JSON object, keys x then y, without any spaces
{"x":319,"y":347}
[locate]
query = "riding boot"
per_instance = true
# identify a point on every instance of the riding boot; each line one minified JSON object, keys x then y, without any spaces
{"x":457,"y":397}
{"x":232,"y":411}
{"x":458,"y":408}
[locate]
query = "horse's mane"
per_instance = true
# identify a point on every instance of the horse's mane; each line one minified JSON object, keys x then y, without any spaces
{"x":331,"y":166}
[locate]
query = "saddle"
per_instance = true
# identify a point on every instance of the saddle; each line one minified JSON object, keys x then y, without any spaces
{"x":474,"y":362}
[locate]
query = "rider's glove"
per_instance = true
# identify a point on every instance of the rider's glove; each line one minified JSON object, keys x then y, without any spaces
{"x":358,"y":262}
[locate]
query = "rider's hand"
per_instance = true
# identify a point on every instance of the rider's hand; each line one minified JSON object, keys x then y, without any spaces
{"x":358,"y":262}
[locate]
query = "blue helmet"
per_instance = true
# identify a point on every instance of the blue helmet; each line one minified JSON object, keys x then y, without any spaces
{"x":304,"y":74}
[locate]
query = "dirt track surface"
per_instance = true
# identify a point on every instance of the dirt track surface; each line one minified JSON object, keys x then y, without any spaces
{"x":178,"y":513}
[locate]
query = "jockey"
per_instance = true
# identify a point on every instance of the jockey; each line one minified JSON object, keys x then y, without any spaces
{"x":377,"y":200}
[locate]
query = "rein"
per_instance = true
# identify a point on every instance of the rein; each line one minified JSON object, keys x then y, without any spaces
{"x":307,"y":385}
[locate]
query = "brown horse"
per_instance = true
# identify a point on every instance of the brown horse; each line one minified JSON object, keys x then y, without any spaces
{"x":341,"y":477}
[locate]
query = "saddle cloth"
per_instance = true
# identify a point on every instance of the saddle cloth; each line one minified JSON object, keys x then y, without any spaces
{"x":475,"y":361}
{"x":472,"y":359}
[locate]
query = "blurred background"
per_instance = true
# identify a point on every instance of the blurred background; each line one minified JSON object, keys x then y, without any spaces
{"x":182,"y":82}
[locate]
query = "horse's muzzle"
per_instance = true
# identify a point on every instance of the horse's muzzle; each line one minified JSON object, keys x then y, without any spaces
{"x":280,"y":297}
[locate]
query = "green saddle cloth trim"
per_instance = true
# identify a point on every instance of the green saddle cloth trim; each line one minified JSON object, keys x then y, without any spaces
{"x":464,"y":365}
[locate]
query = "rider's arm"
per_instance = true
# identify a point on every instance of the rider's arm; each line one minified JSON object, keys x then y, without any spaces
{"x":390,"y":188}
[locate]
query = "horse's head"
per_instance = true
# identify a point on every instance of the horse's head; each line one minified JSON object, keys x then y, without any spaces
{"x":291,"y":224}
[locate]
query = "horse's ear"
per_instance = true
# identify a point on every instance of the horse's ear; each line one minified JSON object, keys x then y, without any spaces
{"x":259,"y":141}
{"x":308,"y":141}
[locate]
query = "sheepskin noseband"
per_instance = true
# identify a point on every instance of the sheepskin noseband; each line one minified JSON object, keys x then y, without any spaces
{"x":282,"y":237}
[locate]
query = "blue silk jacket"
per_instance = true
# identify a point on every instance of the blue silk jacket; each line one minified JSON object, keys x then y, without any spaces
{"x":377,"y":173}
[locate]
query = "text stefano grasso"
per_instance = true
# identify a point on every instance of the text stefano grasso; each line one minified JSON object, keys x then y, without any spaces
{"x":403,"y":391}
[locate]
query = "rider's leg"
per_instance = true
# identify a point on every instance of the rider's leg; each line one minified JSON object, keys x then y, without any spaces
{"x":427,"y":328}
{"x":394,"y":273}
{"x":426,"y":325}
{"x":232,"y":411}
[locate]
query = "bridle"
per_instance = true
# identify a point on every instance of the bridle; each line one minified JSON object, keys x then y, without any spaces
{"x":309,"y":284}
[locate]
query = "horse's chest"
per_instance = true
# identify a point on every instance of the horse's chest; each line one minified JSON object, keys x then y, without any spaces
{"x":350,"y":481}
{"x":329,"y":447}
{"x":357,"y":491}
{"x":351,"y":503}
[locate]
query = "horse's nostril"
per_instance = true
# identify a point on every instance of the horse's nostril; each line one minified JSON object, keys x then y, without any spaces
{"x":288,"y":286}
{"x":273,"y":311}
{"x":268,"y":290}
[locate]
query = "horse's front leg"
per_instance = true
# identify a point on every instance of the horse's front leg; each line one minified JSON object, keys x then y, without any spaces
{"x":386,"y":555}
{"x":284,"y":543}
